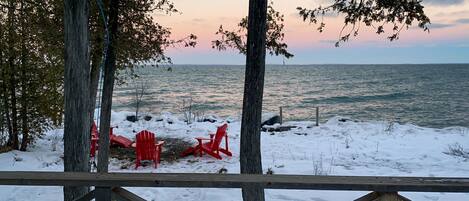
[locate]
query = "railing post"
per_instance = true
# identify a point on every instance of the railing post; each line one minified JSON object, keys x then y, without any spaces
{"x":281,"y":115}
{"x":317,"y":116}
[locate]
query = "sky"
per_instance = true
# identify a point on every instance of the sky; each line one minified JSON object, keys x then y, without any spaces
{"x":447,"y":42}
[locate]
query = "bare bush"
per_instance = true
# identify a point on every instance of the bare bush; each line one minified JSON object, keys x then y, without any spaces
{"x":190,"y":112}
{"x":457,"y":150}
{"x":55,"y":141}
{"x":319,"y":167}
{"x":389,"y":127}
{"x":187,"y":109}
{"x":141,"y":89}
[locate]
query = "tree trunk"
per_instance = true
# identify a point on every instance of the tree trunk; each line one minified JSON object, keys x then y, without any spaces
{"x":250,"y":152}
{"x":14,"y":110}
{"x":137,"y":101}
{"x":2,"y":80}
{"x":12,"y":71}
{"x":94,"y":82}
{"x":7,"y":108}
{"x":96,"y":56}
{"x":76,"y":87}
{"x":102,"y":193}
{"x":24,"y":85}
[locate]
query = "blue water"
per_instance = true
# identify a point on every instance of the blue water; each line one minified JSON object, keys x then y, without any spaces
{"x":426,"y":95}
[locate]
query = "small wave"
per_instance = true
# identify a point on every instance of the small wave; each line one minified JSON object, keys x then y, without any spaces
{"x":354,"y":99}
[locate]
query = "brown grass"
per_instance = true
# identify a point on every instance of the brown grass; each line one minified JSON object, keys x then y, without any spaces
{"x":4,"y":149}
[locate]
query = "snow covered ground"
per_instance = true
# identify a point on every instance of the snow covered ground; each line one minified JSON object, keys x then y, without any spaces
{"x":334,"y":148}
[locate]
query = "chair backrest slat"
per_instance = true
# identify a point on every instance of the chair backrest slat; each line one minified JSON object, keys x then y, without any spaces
{"x":95,"y":133}
{"x":94,"y":130}
{"x":145,"y":145}
{"x":221,"y":132}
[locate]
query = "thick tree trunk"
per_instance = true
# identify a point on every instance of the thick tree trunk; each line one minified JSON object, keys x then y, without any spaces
{"x":3,"y":106}
{"x":104,"y":194}
{"x":77,"y":86}
{"x":250,"y":153}
{"x":96,"y":56}
{"x":14,"y":109}
{"x":12,"y":71}
{"x":6,"y":109}
{"x":94,"y":82}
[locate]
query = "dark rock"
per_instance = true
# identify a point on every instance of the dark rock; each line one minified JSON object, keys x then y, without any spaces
{"x":271,"y":121}
{"x":147,"y":117}
{"x":211,"y":120}
{"x":277,"y":129}
{"x":344,"y":119}
{"x":132,"y":118}
{"x":305,"y":134}
{"x":222,"y":171}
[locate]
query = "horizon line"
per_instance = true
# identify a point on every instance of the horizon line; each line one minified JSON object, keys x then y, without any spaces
{"x":297,"y":64}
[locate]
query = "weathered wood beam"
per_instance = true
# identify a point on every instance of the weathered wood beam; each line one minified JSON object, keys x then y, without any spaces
{"x":87,"y":197}
{"x":125,"y":195}
{"x":383,"y":196}
{"x":368,"y":197}
{"x":353,"y":183}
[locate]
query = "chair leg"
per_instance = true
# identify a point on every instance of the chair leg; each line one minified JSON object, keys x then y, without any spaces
{"x":215,"y":155}
{"x":226,"y":143}
{"x":137,"y":163}
{"x":158,"y":155}
{"x":226,"y":152}
{"x":212,"y":153}
{"x":200,"y":150}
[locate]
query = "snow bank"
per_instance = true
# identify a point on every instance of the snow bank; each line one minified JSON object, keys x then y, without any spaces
{"x":340,"y":146}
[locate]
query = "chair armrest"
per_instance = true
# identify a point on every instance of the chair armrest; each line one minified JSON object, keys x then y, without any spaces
{"x":159,"y":143}
{"x":202,"y":138}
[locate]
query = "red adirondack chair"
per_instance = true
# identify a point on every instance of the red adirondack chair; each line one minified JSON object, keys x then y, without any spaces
{"x":212,"y":147}
{"x":146,"y":148}
{"x":119,"y":140}
{"x":116,"y":140}
{"x":94,"y":140}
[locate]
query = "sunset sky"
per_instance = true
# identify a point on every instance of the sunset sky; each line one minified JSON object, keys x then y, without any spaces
{"x":447,"y":42}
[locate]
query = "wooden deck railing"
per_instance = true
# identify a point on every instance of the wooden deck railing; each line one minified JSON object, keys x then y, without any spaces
{"x":381,"y":187}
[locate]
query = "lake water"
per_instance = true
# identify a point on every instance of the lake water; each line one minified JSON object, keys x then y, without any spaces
{"x":426,"y":95}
